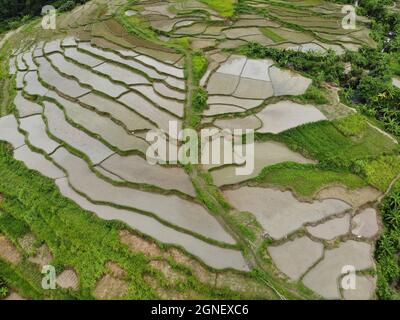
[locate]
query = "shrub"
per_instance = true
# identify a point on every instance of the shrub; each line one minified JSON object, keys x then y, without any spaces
{"x":67,"y":6}
{"x":314,"y":95}
{"x":388,"y":246}
{"x":351,"y":126}
{"x":199,"y":65}
{"x":3,"y":288}
{"x":382,"y":171}
{"x":200,"y":98}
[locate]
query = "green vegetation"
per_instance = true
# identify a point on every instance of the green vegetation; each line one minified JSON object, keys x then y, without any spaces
{"x":388,"y":247}
{"x":77,"y":239}
{"x":200,"y":97}
{"x":314,"y":95}
{"x":27,"y":280}
{"x":349,"y":151}
{"x":225,"y":8}
{"x":137,"y":25}
{"x":199,"y":65}
{"x":3,"y":288}
{"x":293,"y":175}
{"x":324,"y":142}
{"x":354,"y":125}
{"x":7,"y":89}
{"x":268,"y":32}
{"x":13,"y":228}
{"x":318,"y":66}
{"x":381,"y":172}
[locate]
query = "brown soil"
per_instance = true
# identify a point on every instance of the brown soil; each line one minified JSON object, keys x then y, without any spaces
{"x":115,"y":270}
{"x":356,"y":198}
{"x":27,"y":243}
{"x":202,"y":274}
{"x":43,"y":256}
{"x":170,"y":274}
{"x":243,"y":285}
{"x":14,"y":296}
{"x":110,"y":288}
{"x":138,"y":244}
{"x":68,"y":280}
{"x":8,"y":251}
{"x":170,"y":294}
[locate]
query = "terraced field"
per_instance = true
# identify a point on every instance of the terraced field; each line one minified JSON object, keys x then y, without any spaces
{"x":87,"y":94}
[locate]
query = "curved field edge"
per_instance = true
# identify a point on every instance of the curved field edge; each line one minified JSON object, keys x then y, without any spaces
{"x":191,"y":118}
{"x":78,"y":239}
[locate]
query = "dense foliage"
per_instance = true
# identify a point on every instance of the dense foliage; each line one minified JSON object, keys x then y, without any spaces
{"x":388,"y":247}
{"x":3,"y":288}
{"x":292,"y":175}
{"x":16,"y":12}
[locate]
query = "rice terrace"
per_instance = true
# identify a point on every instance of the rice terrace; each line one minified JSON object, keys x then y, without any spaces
{"x":86,"y":84}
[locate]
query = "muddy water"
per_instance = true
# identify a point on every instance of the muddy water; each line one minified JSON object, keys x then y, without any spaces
{"x":280,"y":213}
{"x":60,"y":128}
{"x":102,"y":126}
{"x":287,"y":114}
{"x":173,"y":209}
{"x":38,"y":162}
{"x":138,"y":170}
{"x":118,"y":111}
{"x":265,"y":154}
{"x":214,"y":256}
{"x":85,"y":76}
{"x":36,"y":131}
{"x":324,"y":276}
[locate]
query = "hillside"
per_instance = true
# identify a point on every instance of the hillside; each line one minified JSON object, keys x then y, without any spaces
{"x":79,"y":191}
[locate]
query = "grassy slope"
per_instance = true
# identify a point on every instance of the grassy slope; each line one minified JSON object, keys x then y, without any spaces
{"x":292,"y":176}
{"x":225,"y":8}
{"x":324,"y":142}
{"x":268,"y":32}
{"x":327,"y":144}
{"x":76,"y":238}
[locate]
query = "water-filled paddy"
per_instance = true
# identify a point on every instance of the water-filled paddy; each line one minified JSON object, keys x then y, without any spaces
{"x":175,"y":210}
{"x":280,"y":213}
{"x":61,"y":129}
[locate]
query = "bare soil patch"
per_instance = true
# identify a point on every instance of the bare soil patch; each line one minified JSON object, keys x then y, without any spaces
{"x":202,"y":274}
{"x":43,"y":256}
{"x":14,"y":297}
{"x":110,"y":288}
{"x":243,"y":285}
{"x":138,"y":244}
{"x":169,"y":273}
{"x":115,"y":270}
{"x":27,"y":243}
{"x":68,"y":280}
{"x":8,"y":251}
{"x":356,"y":198}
